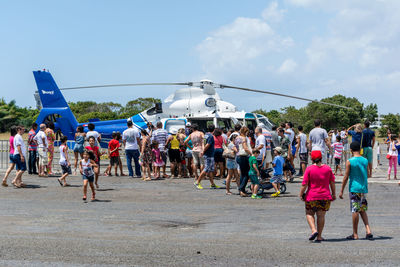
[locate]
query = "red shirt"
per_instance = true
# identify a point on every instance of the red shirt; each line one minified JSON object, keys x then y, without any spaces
{"x":113,"y":144}
{"x":218,"y":141}
{"x":317,"y":178}
{"x":96,"y":152}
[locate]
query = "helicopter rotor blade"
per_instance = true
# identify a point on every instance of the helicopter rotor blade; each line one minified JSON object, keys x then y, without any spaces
{"x":283,"y":95}
{"x":123,"y":85}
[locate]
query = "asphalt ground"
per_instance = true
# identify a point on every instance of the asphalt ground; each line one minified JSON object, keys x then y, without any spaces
{"x":170,"y":223}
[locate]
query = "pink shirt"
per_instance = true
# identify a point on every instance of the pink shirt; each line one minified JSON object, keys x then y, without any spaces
{"x":317,"y":178}
{"x":218,"y":141}
{"x":12,"y":145}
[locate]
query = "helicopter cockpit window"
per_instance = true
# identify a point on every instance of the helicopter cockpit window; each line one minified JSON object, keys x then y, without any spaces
{"x":151,"y":111}
{"x":267,"y":124}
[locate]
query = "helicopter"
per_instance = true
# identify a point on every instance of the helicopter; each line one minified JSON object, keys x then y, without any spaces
{"x":196,"y":102}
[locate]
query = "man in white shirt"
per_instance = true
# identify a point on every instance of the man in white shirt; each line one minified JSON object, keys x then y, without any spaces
{"x":260,"y":145}
{"x":289,"y":133}
{"x":19,"y":156}
{"x":95,"y":134}
{"x":319,"y":138}
{"x":131,"y":139}
{"x":41,"y":140}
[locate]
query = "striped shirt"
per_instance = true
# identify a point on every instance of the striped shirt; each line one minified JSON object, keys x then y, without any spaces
{"x":268,"y":139}
{"x":338,"y":147}
{"x":32,"y":143}
{"x":160,"y":135}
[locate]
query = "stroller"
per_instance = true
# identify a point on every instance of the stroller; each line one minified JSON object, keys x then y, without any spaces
{"x":265,"y":183}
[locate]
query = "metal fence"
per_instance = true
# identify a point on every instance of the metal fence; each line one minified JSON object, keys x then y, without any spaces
{"x":5,"y":148}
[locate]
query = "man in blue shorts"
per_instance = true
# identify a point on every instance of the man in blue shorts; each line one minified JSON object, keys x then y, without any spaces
{"x":19,"y":156}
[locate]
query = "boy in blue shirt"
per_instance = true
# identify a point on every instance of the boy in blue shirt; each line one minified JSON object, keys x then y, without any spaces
{"x":277,"y":179}
{"x":357,"y":174}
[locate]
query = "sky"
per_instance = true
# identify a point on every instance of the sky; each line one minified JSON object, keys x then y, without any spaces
{"x":309,"y":48}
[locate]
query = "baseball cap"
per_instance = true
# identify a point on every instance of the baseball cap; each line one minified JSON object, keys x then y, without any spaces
{"x":316,"y":154}
{"x":188,"y":124}
{"x":278,"y":149}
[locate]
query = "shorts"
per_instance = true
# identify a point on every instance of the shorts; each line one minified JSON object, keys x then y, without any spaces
{"x":218,"y":155}
{"x":189,"y":154}
{"x":254,"y":179}
{"x":368,"y":154}
{"x":20,"y":166}
{"x":174,"y":155}
{"x":197,"y":160}
{"x":268,"y":156}
{"x":66,"y":169}
{"x":42,"y":156}
{"x":303,"y":157}
{"x":293,"y":150}
{"x":114,"y":161}
{"x":277,"y":179}
{"x":12,"y":160}
{"x":358,"y":202}
{"x":337,"y":161}
{"x":231,"y":164}
{"x":318,"y":205}
{"x":163,"y":155}
{"x":89,"y":178}
{"x":78,"y":148}
{"x":209,"y":164}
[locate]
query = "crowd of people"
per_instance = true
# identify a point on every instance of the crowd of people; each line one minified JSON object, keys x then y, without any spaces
{"x":236,"y":155}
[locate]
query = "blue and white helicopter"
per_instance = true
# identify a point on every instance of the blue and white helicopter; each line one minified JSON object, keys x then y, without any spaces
{"x":197,"y":102}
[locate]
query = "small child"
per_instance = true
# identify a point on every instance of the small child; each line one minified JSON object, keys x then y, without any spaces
{"x":182,"y":155}
{"x":113,"y":153}
{"x":338,"y":148}
{"x":277,"y":164}
{"x":254,"y":173}
{"x":157,"y":160}
{"x":94,"y":155}
{"x":64,"y":162}
{"x":357,"y":175}
{"x":86,"y":166}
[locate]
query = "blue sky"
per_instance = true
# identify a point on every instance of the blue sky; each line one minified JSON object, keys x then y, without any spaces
{"x":309,"y":48}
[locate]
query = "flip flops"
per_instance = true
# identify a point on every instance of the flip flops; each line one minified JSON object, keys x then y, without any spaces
{"x":351,"y":237}
{"x":313,"y":236}
{"x":369,"y":236}
{"x":61,"y":184}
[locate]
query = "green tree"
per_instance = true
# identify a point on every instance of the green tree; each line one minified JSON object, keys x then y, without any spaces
{"x":371,"y":112}
{"x":391,"y":122}
{"x":136,"y":106}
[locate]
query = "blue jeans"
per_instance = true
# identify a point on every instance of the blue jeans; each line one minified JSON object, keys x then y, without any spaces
{"x":133,"y":153}
{"x":32,"y":162}
{"x":244,"y":172}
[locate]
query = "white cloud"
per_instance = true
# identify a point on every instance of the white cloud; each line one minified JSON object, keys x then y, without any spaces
{"x":289,"y":65}
{"x":234,"y":47}
{"x":272,"y":13}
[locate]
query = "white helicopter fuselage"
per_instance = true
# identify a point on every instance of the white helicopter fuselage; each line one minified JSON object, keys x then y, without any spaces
{"x":203,"y":106}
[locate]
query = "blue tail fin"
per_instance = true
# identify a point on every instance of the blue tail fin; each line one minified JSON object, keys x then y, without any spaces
{"x":55,"y":108}
{"x":50,"y":95}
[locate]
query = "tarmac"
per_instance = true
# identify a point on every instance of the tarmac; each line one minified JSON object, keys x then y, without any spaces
{"x":170,"y":223}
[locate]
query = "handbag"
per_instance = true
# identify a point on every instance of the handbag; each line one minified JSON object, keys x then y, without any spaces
{"x":361,"y":148}
{"x":388,"y":156}
{"x":228,"y":153}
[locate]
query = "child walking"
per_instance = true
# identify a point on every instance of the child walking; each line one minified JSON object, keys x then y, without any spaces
{"x":254,"y":173}
{"x":113,"y":154}
{"x":64,"y":162}
{"x":392,"y":156}
{"x":157,"y":160}
{"x":95,"y":152}
{"x":338,"y":149}
{"x":277,"y":177}
{"x":357,"y":174}
{"x":86,"y":166}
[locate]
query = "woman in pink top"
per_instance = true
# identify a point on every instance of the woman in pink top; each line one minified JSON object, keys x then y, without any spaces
{"x":219,"y":141}
{"x":320,"y":184}
{"x":13,"y":132}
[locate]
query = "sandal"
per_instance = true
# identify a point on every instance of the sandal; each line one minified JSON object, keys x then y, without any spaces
{"x":65,"y":185}
{"x":351,"y":237}
{"x":313,"y":236}
{"x":228,"y":193}
{"x":4,"y":184}
{"x":84,"y":198}
{"x":61,"y":184}
{"x":93,"y":197}
{"x":369,"y":236}
{"x":147,"y":179}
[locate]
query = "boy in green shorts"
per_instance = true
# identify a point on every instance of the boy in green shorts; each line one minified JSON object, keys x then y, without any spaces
{"x":254,"y":174}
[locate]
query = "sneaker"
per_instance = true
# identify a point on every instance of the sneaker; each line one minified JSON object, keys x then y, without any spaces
{"x":214,"y":186}
{"x":259,"y":197}
{"x":253,"y":196}
{"x":198,"y":186}
{"x":276,"y":194}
